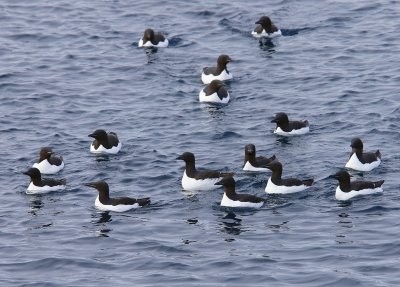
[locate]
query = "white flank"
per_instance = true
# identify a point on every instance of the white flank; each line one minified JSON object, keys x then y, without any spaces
{"x":231,"y":203}
{"x":248,"y":166}
{"x":46,"y":168}
{"x":301,"y":131}
{"x":116,"y":208}
{"x":213,"y":98}
{"x":33,"y":189}
{"x":340,"y":195}
{"x":266,"y":35}
{"x":148,"y":44}
{"x":224,"y":76}
{"x":191,"y":184}
{"x":101,"y":149}
{"x":354,"y":163}
{"x":273,"y":188}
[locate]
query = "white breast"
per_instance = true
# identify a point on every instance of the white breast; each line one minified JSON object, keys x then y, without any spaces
{"x":340,"y":195}
{"x":162,"y":44}
{"x":33,"y":189}
{"x":273,"y":188}
{"x":266,"y":35}
{"x":301,"y":131}
{"x":116,"y":208}
{"x":248,"y":166}
{"x":224,"y":76}
{"x":213,"y":98}
{"x":231,"y":203}
{"x":46,"y":168}
{"x":102,"y":149}
{"x":191,"y":184}
{"x":354,"y":163}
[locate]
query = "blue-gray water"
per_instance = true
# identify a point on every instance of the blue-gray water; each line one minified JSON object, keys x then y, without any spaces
{"x":70,"y":67}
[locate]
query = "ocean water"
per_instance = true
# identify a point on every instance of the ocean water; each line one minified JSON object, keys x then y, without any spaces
{"x":70,"y":67}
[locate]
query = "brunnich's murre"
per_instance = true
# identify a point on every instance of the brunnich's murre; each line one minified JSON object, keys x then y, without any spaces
{"x":284,"y":127}
{"x":42,"y":185}
{"x":199,"y":180}
{"x":253,"y":163}
{"x":105,"y":142}
{"x":215,"y":92}
{"x":119,"y":204}
{"x":266,"y":29}
{"x":153,"y":39}
{"x":49,"y":162}
{"x":360,"y":160}
{"x":220,"y":72}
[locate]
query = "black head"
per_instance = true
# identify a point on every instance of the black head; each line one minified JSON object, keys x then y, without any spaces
{"x":101,"y":185}
{"x":264,"y":21}
{"x":99,"y":135}
{"x":215,"y":85}
{"x":226,"y":182}
{"x":250,"y":149}
{"x":187,"y":157}
{"x":223,"y":60}
{"x":356,"y":143}
{"x":148,"y":35}
{"x":342,"y":176}
{"x":274,"y":165}
{"x":45,"y":152}
{"x":34,"y":173}
{"x":280,"y":118}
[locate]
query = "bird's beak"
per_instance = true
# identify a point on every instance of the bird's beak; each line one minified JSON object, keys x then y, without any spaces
{"x":26,"y":172}
{"x":89,"y":184}
{"x":221,"y":182}
{"x":179,"y":157}
{"x":92,"y":136}
{"x":258,"y":22}
{"x":274,"y":121}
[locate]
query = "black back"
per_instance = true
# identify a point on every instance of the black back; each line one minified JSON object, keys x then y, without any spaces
{"x":250,"y":156}
{"x":346,"y":185}
{"x":222,"y":61}
{"x":47,"y":153}
{"x":265,"y":24}
{"x":364,"y":157}
{"x":36,"y":178}
{"x":153,"y":37}
{"x":229,"y":188}
{"x":192,"y":172}
{"x":216,"y":86}
{"x":282,"y":121}
{"x":102,"y":138}
{"x":104,"y":196}
{"x":276,"y":177}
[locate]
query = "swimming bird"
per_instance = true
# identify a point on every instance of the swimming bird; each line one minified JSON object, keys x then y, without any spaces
{"x":42,"y":185}
{"x":362,"y":161}
{"x":215,"y":92}
{"x":266,"y":29}
{"x":348,"y":189}
{"x":220,"y":72}
{"x":253,"y":163}
{"x":153,"y":39}
{"x":199,"y":180}
{"x":105,"y":142}
{"x":233,"y":199}
{"x":284,"y":127}
{"x":276,"y":184}
{"x":118,"y":204}
{"x":49,"y":162}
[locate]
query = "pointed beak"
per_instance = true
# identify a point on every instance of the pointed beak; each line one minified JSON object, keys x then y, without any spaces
{"x":92,"y":136}
{"x":274,"y":121}
{"x":90,"y":184}
{"x":221,"y":182}
{"x":179,"y":157}
{"x":25,"y":172}
{"x":258,"y":22}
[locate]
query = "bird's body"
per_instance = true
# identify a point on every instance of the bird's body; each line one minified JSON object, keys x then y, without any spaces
{"x":49,"y":162}
{"x":360,"y":160}
{"x":220,"y":72}
{"x":105,"y":142}
{"x":253,"y":163}
{"x":39,"y":185}
{"x":153,"y":39}
{"x":284,"y":127}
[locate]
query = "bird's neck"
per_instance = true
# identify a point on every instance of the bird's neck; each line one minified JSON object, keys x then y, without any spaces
{"x":190,"y":169}
{"x":276,"y":175}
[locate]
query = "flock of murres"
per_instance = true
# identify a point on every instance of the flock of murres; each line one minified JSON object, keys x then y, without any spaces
{"x":203,"y":180}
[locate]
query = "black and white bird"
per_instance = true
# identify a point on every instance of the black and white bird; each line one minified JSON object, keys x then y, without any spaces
{"x":220,"y":72}
{"x":105,"y":142}
{"x":284,"y":127}
{"x":348,"y":189}
{"x":153,"y":39}
{"x":360,"y":160}
{"x":253,"y":163}
{"x":39,"y":185}
{"x":215,"y":92}
{"x":277,"y":184}
{"x":199,"y":180}
{"x":119,"y":204}
{"x":266,"y":29}
{"x":233,"y":199}
{"x":49,"y":162}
